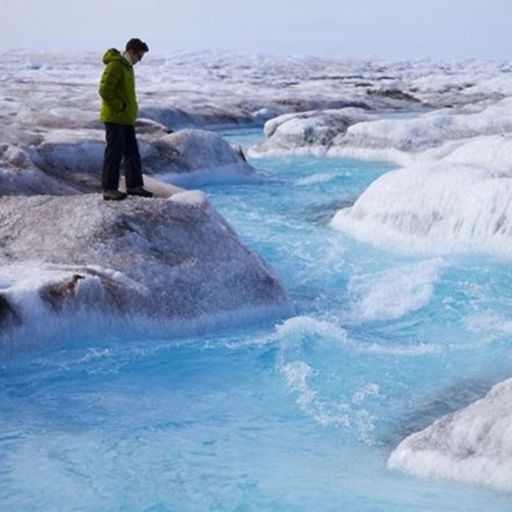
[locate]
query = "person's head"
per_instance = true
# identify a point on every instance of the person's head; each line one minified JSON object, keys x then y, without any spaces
{"x":136,"y":48}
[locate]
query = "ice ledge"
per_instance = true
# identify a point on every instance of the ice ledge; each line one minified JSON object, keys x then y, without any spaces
{"x":434,"y":208}
{"x":175,"y":259}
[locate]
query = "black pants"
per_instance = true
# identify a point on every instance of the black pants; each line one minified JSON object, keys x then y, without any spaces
{"x":121,"y":143}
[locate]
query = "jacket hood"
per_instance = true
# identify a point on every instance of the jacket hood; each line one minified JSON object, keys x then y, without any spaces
{"x":111,"y":55}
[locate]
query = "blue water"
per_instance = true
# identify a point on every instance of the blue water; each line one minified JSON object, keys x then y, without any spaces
{"x":295,"y":416}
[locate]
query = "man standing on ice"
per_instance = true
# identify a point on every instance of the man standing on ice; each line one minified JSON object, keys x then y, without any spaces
{"x":119,"y":112}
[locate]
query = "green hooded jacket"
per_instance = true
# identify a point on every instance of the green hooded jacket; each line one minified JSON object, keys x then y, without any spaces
{"x":117,"y":90}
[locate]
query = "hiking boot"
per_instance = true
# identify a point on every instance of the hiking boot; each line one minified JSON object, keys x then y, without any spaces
{"x":139,"y":191}
{"x":113,"y":195}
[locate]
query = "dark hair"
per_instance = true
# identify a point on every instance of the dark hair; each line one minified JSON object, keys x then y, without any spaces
{"x":137,"y":45}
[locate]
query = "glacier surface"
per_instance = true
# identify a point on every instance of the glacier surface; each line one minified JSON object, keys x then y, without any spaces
{"x":446,"y":125}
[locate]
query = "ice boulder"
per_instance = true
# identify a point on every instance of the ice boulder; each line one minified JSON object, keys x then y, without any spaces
{"x":307,"y":132}
{"x":470,"y":445}
{"x":193,"y":157}
{"x":175,"y":259}
{"x":198,"y":112}
{"x":172,"y":118}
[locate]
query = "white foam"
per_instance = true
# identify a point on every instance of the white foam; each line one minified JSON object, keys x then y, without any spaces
{"x":368,"y":389}
{"x":326,"y":414}
{"x":417,"y":350}
{"x":233,"y":174}
{"x":394,"y":292}
{"x":306,"y":325}
{"x":44,"y":327}
{"x":314,"y":179}
{"x":488,"y":323}
{"x":310,"y":350}
{"x":293,"y":336}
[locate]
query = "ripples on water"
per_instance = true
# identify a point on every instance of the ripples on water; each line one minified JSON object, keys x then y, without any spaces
{"x":296,"y":416}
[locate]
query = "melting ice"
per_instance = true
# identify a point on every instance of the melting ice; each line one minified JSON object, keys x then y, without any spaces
{"x":394,"y":353}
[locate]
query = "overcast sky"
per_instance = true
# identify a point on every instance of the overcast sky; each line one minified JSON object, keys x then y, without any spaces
{"x":336,"y":28}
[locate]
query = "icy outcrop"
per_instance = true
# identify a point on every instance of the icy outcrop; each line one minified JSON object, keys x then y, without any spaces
{"x":175,"y":259}
{"x":19,"y":175}
{"x":201,"y":149}
{"x":75,"y":157}
{"x":313,"y":131}
{"x":454,"y":191}
{"x":438,"y":208}
{"x":194,"y":157}
{"x":471,"y":445}
{"x":431,"y":129}
{"x":202,"y":115}
{"x":395,"y":137}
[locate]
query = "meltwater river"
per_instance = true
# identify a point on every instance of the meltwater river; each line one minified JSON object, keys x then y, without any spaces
{"x":295,"y":414}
